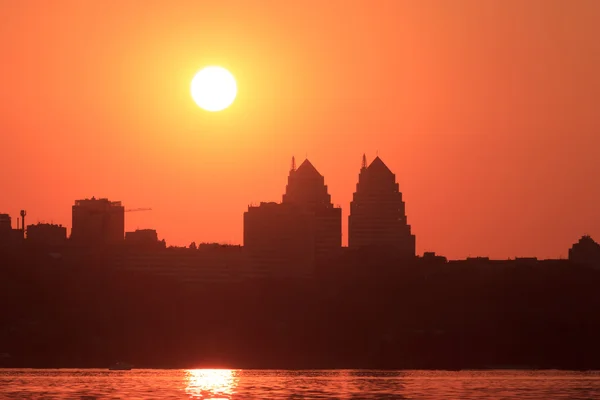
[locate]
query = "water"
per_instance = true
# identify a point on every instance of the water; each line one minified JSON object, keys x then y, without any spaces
{"x":337,"y":384}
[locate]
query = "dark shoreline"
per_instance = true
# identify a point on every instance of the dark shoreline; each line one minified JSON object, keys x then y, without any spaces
{"x":365,"y":311}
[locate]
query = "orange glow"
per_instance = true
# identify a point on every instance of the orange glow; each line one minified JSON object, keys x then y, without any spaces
{"x":485,"y":110}
{"x":211,"y":383}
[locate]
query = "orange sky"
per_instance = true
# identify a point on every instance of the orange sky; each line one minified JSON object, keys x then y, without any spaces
{"x":487,"y":111}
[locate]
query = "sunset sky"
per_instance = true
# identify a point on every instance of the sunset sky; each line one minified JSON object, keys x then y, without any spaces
{"x":487,"y":111}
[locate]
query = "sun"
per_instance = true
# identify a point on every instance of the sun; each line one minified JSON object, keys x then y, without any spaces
{"x":213,"y":88}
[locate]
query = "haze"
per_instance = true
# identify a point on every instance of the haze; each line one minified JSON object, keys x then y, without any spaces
{"x":486,"y":111}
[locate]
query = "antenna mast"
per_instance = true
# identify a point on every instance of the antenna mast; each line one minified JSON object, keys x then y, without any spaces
{"x":23,"y":214}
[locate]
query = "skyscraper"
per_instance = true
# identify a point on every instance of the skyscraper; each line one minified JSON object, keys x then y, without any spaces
{"x":291,"y":237}
{"x":377,"y":212}
{"x":306,"y":189}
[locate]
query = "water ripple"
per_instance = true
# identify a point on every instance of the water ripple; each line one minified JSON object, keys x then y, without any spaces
{"x":332,"y":384}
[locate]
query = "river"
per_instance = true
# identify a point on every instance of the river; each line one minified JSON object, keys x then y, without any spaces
{"x":282,"y":384}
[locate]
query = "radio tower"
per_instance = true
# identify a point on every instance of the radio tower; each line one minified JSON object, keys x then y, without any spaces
{"x":23,"y":214}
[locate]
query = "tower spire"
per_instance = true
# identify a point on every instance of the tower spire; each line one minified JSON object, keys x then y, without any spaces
{"x":364,"y":161}
{"x":293,"y":164}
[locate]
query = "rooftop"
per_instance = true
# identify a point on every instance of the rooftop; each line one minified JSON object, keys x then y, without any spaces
{"x":307,"y":169}
{"x":377,"y":165}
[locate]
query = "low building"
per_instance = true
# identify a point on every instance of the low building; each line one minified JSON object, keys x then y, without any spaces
{"x":213,"y":264}
{"x":430,"y":257}
{"x":46,"y":234}
{"x":142,"y":237}
{"x":5,"y":223}
{"x":9,"y":237}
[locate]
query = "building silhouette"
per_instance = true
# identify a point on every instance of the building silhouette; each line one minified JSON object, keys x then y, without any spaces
{"x":97,"y":221}
{"x":586,"y":251}
{"x":142,"y":236}
{"x":377,"y":212}
{"x":46,"y":234}
{"x":279,"y":240}
{"x":291,"y":237}
{"x":306,"y":189}
{"x":5,"y":223}
{"x":8,"y":235}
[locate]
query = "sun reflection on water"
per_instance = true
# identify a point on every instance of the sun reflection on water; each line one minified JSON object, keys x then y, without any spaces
{"x":214,"y":384}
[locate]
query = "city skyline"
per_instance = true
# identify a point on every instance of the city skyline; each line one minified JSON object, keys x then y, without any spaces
{"x":105,"y":221}
{"x":486,"y":113}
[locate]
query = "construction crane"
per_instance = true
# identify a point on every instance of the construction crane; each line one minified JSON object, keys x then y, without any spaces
{"x":116,"y":210}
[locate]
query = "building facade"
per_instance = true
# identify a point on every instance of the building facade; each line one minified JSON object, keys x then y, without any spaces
{"x":377,"y":212}
{"x":97,"y":221}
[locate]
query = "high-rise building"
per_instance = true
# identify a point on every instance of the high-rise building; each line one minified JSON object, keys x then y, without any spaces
{"x":306,"y":189}
{"x":377,"y":212}
{"x":97,"y":221}
{"x":290,"y":237}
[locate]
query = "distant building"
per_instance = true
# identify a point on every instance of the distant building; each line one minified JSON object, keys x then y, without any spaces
{"x":142,"y":237}
{"x":5,"y":223}
{"x":97,"y":221}
{"x":9,"y":236}
{"x":479,"y":259}
{"x":279,"y":240}
{"x":212,"y":264}
{"x":46,"y":234}
{"x":291,"y":237}
{"x":377,"y":212}
{"x":585,"y":251}
{"x":527,"y":261}
{"x":431,"y":257}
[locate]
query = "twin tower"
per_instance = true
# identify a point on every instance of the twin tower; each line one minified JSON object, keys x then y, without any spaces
{"x":305,"y":228}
